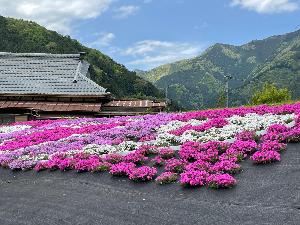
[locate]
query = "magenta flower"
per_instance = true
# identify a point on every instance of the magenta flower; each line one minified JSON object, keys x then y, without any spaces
{"x":114,"y":158}
{"x":198,"y":165}
{"x":158,"y":161}
{"x":135,"y":157}
{"x":147,"y":150}
{"x":166,"y":153}
{"x":272,"y":146}
{"x":167,"y":178}
{"x":247,"y":136}
{"x":144,"y":173}
{"x":122,"y":169}
{"x":194,"y":178}
{"x":226,"y":166}
{"x":262,"y":157}
{"x":220,"y":180}
{"x":175,"y":165}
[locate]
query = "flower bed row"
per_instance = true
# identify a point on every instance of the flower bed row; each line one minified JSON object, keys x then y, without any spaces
{"x":211,"y":144}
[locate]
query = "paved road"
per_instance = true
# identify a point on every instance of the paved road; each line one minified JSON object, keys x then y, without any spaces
{"x":267,"y":194}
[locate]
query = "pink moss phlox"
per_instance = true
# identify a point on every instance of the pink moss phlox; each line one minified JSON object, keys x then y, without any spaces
{"x":41,"y":165}
{"x":189,"y":150}
{"x":113,"y":158}
{"x":263,"y":157}
{"x":198,"y":165}
{"x":220,"y":180}
{"x":175,"y":165}
{"x":167,"y":178}
{"x":226,"y":166}
{"x":144,"y":173}
{"x":278,"y":128}
{"x":166,"y":153}
{"x":247,"y":136}
{"x":158,"y":161}
{"x":122,"y":169}
{"x":245,"y":147}
{"x":272,"y":146}
{"x":194,"y":178}
{"x":88,"y":164}
{"x":135,"y":157}
{"x":147,"y":150}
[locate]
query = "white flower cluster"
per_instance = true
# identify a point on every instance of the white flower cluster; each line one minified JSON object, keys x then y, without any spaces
{"x":127,"y":146}
{"x":257,"y":122}
{"x":94,"y":149}
{"x":10,"y":129}
{"x":166,"y":139}
{"x":236,"y":125}
{"x":175,"y":124}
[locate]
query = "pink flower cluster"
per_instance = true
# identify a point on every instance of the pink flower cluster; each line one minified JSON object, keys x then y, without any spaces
{"x":61,"y":145}
{"x":167,"y":178}
{"x":262,"y":157}
{"x":144,"y":173}
{"x":166,"y":153}
{"x":220,"y":180}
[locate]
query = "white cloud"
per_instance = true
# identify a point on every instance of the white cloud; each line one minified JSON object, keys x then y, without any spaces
{"x":267,"y":6}
{"x":151,"y":53}
{"x":104,"y":40}
{"x":56,"y":15}
{"x":125,"y":11}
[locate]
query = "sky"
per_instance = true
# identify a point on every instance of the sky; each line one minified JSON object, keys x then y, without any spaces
{"x":143,"y":34}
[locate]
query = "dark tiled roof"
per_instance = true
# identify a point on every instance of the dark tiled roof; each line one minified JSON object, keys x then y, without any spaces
{"x":40,"y":73}
{"x":52,"y":106}
{"x":135,"y":103}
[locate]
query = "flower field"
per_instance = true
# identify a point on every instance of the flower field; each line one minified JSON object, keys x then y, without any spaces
{"x":201,"y":148}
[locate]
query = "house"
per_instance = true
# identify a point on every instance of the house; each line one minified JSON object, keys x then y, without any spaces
{"x":50,"y":86}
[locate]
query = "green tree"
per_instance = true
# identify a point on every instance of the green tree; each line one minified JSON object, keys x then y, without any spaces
{"x":270,"y":94}
{"x":221,"y":102}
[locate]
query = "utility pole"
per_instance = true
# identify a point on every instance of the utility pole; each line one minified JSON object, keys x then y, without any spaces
{"x":167,"y":93}
{"x":227,"y":78}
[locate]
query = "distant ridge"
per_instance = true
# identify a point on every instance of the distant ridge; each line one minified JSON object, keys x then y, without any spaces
{"x":199,"y":82}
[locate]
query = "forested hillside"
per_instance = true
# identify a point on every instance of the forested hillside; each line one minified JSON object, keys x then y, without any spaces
{"x":199,"y":82}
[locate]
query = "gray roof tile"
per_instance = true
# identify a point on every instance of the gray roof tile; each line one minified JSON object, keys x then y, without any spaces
{"x":41,"y":73}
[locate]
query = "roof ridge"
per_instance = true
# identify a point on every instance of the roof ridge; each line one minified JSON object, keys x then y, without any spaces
{"x":40,"y":55}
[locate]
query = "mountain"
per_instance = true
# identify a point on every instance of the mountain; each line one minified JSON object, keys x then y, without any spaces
{"x":24,"y":36}
{"x":199,"y":82}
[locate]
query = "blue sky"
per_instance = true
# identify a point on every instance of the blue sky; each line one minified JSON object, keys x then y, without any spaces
{"x":142,"y":34}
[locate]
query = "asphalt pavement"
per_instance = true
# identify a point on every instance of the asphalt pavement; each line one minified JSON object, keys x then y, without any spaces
{"x":267,"y":194}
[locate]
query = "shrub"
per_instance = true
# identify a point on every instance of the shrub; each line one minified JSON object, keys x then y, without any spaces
{"x":270,"y":94}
